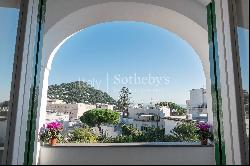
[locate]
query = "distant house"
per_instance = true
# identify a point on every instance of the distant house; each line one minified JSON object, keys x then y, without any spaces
{"x":144,"y":117}
{"x":3,"y":126}
{"x":75,"y":111}
{"x":197,"y":105}
{"x":105,"y":106}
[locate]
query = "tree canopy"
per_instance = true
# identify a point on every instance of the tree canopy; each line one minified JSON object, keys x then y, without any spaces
{"x":124,"y":101}
{"x":97,"y":117}
{"x":79,"y":92}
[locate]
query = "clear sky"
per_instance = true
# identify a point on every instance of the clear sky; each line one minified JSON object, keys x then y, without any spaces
{"x":155,"y":64}
{"x":243,"y":36}
{"x":8,"y":27}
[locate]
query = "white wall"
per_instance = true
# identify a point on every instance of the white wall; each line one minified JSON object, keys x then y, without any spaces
{"x":74,"y":110}
{"x":83,"y":108}
{"x":138,"y":124}
{"x":56,"y":117}
{"x":108,"y":129}
{"x":3,"y":126}
{"x":169,"y":125}
{"x":71,"y":109}
{"x":197,"y":97}
{"x":114,"y":155}
{"x":134,"y":111}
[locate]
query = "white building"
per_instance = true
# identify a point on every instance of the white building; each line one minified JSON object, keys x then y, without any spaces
{"x":143,"y":125}
{"x":105,"y":106}
{"x":198,"y":98}
{"x":197,"y":105}
{"x":171,"y":122}
{"x":144,"y":117}
{"x":56,"y":116}
{"x":75,"y":111}
{"x":136,"y":112}
{"x":3,"y":125}
{"x":55,"y":101}
{"x":169,"y":125}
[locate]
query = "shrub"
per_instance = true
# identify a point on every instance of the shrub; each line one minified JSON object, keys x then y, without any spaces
{"x":129,"y":130}
{"x":170,"y":138}
{"x":82,"y":135}
{"x":151,"y":135}
{"x":121,"y":139}
{"x":185,"y":131}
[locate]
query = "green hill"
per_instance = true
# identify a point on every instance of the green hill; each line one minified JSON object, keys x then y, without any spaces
{"x":78,"y":92}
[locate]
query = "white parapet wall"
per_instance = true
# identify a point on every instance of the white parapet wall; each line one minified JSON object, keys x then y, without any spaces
{"x":127,"y":154}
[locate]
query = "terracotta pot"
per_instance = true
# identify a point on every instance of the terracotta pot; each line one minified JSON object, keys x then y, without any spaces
{"x":203,"y":141}
{"x":53,"y":141}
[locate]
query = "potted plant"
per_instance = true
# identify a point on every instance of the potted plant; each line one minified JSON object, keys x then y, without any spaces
{"x":204,"y":133}
{"x":51,"y":133}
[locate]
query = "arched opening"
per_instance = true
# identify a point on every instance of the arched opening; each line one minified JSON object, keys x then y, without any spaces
{"x":80,"y":19}
{"x":225,"y":67}
{"x":153,"y":63}
{"x":159,"y":16}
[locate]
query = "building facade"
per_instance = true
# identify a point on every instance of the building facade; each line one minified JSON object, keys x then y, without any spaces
{"x":197,"y":105}
{"x":145,"y":117}
{"x":75,"y":111}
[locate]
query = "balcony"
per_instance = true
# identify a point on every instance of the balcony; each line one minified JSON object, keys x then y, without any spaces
{"x":128,"y":153}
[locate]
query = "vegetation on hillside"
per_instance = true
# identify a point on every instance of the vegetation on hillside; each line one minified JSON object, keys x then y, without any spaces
{"x":79,"y":92}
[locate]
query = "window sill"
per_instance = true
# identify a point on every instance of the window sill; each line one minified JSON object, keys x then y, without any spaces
{"x":142,"y":144}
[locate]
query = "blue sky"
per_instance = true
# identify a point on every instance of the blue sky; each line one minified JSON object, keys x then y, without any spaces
{"x":8,"y":26}
{"x":112,"y":55}
{"x":154,"y":63}
{"x":243,"y":36}
{"x":116,"y":54}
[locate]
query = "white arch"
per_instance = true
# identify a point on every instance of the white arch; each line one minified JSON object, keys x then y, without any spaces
{"x":169,"y":19}
{"x":64,"y":28}
{"x":60,"y":29}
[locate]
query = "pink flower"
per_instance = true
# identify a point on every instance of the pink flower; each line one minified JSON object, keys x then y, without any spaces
{"x":54,"y":125}
{"x":203,"y":126}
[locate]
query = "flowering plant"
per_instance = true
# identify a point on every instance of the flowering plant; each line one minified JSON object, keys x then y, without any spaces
{"x":52,"y":130}
{"x":203,"y":130}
